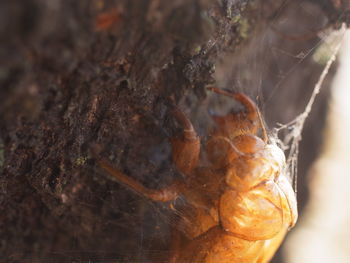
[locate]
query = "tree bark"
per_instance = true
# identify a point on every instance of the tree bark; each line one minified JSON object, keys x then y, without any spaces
{"x":78,"y":73}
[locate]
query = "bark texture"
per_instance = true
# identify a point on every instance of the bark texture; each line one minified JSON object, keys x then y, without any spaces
{"x":77,"y":73}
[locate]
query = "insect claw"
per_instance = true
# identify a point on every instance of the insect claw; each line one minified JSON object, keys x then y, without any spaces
{"x":252,"y":110}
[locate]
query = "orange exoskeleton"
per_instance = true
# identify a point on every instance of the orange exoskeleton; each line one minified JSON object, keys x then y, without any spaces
{"x":241,"y":205}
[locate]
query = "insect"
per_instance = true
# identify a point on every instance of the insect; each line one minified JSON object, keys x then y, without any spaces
{"x":240,"y":205}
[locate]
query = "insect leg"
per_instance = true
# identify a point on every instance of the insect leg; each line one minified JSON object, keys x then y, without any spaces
{"x":186,"y":147}
{"x":252,"y":118}
{"x":162,"y":195}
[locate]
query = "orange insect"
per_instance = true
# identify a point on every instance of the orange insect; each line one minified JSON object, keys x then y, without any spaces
{"x":241,"y":205}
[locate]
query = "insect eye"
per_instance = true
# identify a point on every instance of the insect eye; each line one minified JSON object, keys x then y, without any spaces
{"x":248,"y":143}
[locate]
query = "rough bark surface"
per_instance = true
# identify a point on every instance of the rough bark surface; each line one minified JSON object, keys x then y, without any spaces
{"x":77,"y":73}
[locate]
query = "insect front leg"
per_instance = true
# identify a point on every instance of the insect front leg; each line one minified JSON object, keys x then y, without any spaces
{"x":185,"y":152}
{"x":166,"y":194}
{"x":234,"y":124}
{"x":186,"y":146}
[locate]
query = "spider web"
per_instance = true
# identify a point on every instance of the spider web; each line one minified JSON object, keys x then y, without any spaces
{"x":154,"y":219}
{"x":290,"y":142}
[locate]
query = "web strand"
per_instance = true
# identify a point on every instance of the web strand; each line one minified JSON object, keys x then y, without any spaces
{"x":291,"y":140}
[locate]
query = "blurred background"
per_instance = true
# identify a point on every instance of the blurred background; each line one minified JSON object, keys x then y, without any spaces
{"x":74,"y":73}
{"x":322,"y":233}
